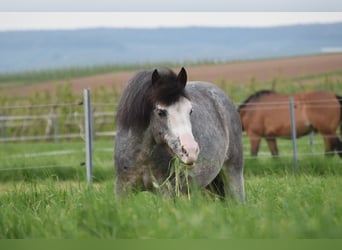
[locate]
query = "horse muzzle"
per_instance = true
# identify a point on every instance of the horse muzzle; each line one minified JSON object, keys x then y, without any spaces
{"x":189,"y":149}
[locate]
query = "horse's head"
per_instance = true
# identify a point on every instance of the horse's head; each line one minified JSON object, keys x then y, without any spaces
{"x":170,"y":119}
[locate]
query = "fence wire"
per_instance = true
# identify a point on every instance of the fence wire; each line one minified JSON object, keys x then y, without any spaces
{"x":101,"y":118}
{"x":38,"y":167}
{"x":61,"y":121}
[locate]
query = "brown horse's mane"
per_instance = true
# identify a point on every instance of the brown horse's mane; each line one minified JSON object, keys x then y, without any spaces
{"x":254,"y":96}
{"x":142,"y":92}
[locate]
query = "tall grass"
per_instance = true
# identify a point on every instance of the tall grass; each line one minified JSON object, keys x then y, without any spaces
{"x":277,"y":207}
{"x":57,"y":202}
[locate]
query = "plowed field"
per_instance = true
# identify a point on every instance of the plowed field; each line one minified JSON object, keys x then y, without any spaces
{"x":238,"y":72}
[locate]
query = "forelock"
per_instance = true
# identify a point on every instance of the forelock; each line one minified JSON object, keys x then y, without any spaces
{"x":167,"y":90}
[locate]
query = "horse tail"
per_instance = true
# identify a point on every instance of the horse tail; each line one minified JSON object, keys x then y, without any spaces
{"x":338,"y":143}
{"x":339,"y":98}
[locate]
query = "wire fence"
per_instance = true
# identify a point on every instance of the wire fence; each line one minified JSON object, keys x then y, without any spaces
{"x":52,"y":123}
{"x":57,"y":124}
{"x":65,"y":121}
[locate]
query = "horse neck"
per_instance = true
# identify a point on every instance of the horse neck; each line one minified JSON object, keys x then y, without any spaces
{"x":242,"y":112}
{"x":144,"y":141}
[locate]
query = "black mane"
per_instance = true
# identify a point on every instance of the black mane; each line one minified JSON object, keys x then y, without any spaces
{"x":142,"y":92}
{"x":254,"y":96}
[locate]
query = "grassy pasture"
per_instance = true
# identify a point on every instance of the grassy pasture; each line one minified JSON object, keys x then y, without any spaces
{"x":56,"y":202}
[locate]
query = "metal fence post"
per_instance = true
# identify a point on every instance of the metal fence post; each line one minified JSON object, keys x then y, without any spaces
{"x":293,"y":133}
{"x":312,"y":135}
{"x":88,"y":134}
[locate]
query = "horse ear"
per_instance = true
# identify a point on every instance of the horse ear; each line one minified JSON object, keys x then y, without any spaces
{"x":155,"y":76}
{"x":182,"y":76}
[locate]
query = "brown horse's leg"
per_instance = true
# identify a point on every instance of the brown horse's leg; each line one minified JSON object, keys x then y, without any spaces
{"x":329,"y":145}
{"x":255,"y":143}
{"x":335,"y":145}
{"x":338,"y":147}
{"x":272,"y":144}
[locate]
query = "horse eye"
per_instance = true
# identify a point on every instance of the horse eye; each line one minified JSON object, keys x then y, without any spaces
{"x":161,"y":112}
{"x":191,"y":111}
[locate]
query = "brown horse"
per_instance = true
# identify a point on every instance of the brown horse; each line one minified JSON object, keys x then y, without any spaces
{"x":266,"y":114}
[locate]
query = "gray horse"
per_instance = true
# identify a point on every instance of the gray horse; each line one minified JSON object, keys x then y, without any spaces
{"x":160,"y":116}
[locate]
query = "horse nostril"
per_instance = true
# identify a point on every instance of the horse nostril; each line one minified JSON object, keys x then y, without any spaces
{"x":184,"y":151}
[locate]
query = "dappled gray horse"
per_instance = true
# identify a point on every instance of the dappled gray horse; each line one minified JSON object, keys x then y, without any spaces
{"x":160,"y":116}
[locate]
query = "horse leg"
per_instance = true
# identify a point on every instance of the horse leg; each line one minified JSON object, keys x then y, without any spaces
{"x":329,"y":145}
{"x":333,"y":144}
{"x":217,"y":185}
{"x":230,"y":181}
{"x":338,"y":147}
{"x":236,"y":186}
{"x":272,"y":145}
{"x":255,"y":144}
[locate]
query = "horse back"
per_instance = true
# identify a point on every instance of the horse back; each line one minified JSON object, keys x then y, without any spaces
{"x":216,"y":127}
{"x":269,"y":115}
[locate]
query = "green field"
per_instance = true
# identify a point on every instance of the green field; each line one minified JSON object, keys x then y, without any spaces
{"x":44,"y":194}
{"x":63,"y":101}
{"x":56,"y":202}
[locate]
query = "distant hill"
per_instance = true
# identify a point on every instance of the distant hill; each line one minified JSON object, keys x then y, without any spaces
{"x":37,"y":50}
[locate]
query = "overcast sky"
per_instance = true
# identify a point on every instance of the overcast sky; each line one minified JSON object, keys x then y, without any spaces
{"x":174,"y":5}
{"x":74,"y":20}
{"x":71,"y":14}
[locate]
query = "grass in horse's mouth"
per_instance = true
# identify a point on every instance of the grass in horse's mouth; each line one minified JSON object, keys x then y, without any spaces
{"x":178,"y":169}
{"x":189,"y":166}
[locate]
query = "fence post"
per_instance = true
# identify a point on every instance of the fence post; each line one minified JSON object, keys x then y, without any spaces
{"x":293,"y":133}
{"x":3,"y":127}
{"x":88,"y":134}
{"x":312,"y":135}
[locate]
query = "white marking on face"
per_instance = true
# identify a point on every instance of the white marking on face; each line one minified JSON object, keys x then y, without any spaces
{"x":178,"y":116}
{"x":179,"y":125}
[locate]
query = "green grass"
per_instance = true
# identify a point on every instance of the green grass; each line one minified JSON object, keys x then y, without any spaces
{"x":57,"y":202}
{"x":277,"y":207}
{"x":63,"y":161}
